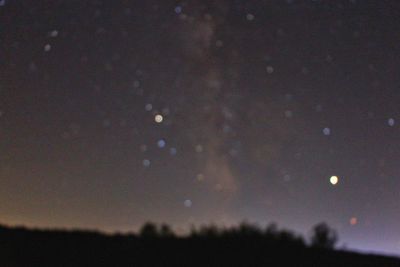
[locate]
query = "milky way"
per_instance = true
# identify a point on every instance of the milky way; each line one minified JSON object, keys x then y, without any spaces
{"x":114,"y":113}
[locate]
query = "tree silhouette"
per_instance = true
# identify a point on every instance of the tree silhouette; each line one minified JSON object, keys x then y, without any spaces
{"x":157,"y":245}
{"x":323,"y":236}
{"x":166,"y":231}
{"x":149,"y":230}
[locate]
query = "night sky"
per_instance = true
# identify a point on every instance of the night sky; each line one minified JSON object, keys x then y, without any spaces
{"x":114,"y":113}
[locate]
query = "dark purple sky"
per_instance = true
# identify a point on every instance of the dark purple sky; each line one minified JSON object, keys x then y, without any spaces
{"x":259,"y":103}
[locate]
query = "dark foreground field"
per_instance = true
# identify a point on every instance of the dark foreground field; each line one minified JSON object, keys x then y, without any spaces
{"x":243,"y":246}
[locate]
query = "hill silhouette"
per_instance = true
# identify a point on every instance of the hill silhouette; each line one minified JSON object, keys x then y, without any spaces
{"x":244,"y":245}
